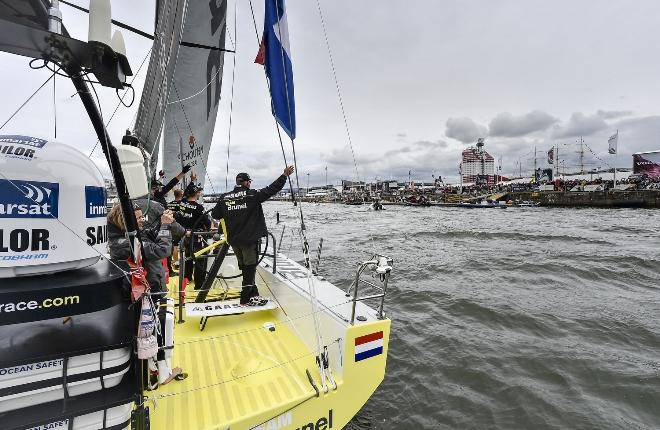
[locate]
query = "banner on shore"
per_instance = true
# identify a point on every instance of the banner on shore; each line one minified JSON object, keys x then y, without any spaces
{"x":613,"y":141}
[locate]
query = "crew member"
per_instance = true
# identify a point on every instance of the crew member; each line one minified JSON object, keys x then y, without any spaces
{"x":191,"y":215}
{"x":159,"y":191}
{"x":246,"y":225}
{"x":156,"y":245}
{"x":175,"y":206}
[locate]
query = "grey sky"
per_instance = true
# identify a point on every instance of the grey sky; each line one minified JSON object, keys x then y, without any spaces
{"x":420,"y":80}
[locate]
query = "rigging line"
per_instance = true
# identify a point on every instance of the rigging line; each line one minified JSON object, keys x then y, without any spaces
{"x":121,"y":99}
{"x":198,"y":92}
{"x":27,"y":101}
{"x":341,"y":100}
{"x":192,"y":133}
{"x":225,"y":381}
{"x":279,"y":136}
{"x":54,"y":105}
{"x":231,"y":102}
{"x":240,"y":332}
{"x":310,"y":282}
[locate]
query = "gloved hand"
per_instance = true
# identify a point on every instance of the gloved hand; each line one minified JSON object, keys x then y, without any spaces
{"x":186,"y":168}
{"x":161,"y":173}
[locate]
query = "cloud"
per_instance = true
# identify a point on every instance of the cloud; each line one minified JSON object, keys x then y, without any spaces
{"x":465,"y":130}
{"x":506,"y":125}
{"x":438,"y":144}
{"x":613,"y":114}
{"x":579,"y":125}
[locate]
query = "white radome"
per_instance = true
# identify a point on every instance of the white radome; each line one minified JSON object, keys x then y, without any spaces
{"x":52,"y":207}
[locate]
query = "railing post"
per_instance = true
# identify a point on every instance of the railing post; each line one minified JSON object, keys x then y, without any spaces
{"x":182,"y":271}
{"x":382,"y":301}
{"x":274,"y":251}
{"x":355,"y":292}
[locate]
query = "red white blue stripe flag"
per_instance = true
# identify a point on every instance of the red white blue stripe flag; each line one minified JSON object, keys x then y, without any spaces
{"x":275,"y":55}
{"x":368,"y":346}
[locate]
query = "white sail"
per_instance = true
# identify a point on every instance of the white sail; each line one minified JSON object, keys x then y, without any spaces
{"x":162,"y":63}
{"x":194,"y":97}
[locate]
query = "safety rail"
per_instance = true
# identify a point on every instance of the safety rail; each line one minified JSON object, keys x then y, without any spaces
{"x":380,"y":266}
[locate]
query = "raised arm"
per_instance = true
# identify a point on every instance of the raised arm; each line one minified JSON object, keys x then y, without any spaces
{"x":268,"y":192}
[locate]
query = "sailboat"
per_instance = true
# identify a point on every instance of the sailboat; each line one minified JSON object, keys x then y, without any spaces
{"x":307,"y":359}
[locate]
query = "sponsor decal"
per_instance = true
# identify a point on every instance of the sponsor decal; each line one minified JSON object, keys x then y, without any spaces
{"x":17,"y":370}
{"x":368,"y":346}
{"x":52,"y":426}
{"x":20,"y":147}
{"x":23,"y":140}
{"x":19,"y":306}
{"x":286,"y":419}
{"x":22,"y":239}
{"x":191,"y":141}
{"x":190,"y":157}
{"x":28,"y":199}
{"x":95,"y":202}
{"x":229,"y":307}
{"x":50,"y":302}
{"x":97,"y":234}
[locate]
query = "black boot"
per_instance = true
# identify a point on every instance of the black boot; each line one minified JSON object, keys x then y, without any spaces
{"x":245,"y":294}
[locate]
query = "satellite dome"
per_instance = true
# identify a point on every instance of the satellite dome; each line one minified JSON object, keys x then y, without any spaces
{"x":52,"y":207}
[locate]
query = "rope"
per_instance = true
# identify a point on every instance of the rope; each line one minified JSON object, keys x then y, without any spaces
{"x":225,"y":381}
{"x":192,"y":133}
{"x":341,"y":100}
{"x":28,"y":100}
{"x":54,"y":106}
{"x":231,"y":102}
{"x":197,"y":93}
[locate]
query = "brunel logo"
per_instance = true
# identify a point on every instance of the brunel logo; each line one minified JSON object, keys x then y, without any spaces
{"x":286,"y":420}
{"x":191,"y":141}
{"x":28,"y":199}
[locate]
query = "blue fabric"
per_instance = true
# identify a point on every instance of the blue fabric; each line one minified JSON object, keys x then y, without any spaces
{"x":278,"y":66}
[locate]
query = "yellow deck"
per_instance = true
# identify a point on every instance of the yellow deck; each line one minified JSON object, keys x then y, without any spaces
{"x":237,"y":370}
{"x":243,"y":376}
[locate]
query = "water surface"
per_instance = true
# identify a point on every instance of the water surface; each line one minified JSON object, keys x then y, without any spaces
{"x":524,"y":318}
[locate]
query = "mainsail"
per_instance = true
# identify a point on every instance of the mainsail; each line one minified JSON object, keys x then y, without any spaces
{"x":153,"y":104}
{"x":194,"y":95}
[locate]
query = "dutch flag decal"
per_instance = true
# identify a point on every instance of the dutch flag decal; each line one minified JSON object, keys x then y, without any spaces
{"x":368,"y":346}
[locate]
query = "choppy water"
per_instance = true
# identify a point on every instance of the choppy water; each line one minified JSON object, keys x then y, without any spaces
{"x":525,"y":318}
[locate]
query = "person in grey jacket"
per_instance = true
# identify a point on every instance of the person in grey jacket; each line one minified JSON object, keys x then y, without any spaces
{"x":156,"y":244}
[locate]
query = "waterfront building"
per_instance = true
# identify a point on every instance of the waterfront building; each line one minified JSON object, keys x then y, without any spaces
{"x":477,"y":165}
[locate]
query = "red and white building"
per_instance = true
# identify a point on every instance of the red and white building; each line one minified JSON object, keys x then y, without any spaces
{"x":478,"y":166}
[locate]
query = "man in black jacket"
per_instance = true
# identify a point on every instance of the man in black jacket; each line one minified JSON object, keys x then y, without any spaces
{"x":244,"y":218}
{"x":191,"y":215}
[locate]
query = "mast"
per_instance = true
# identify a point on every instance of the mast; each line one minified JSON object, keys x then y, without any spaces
{"x":581,"y":141}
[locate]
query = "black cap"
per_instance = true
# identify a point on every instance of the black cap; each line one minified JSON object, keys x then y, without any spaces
{"x":156,"y":183}
{"x":242,"y":177}
{"x":192,"y":189}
